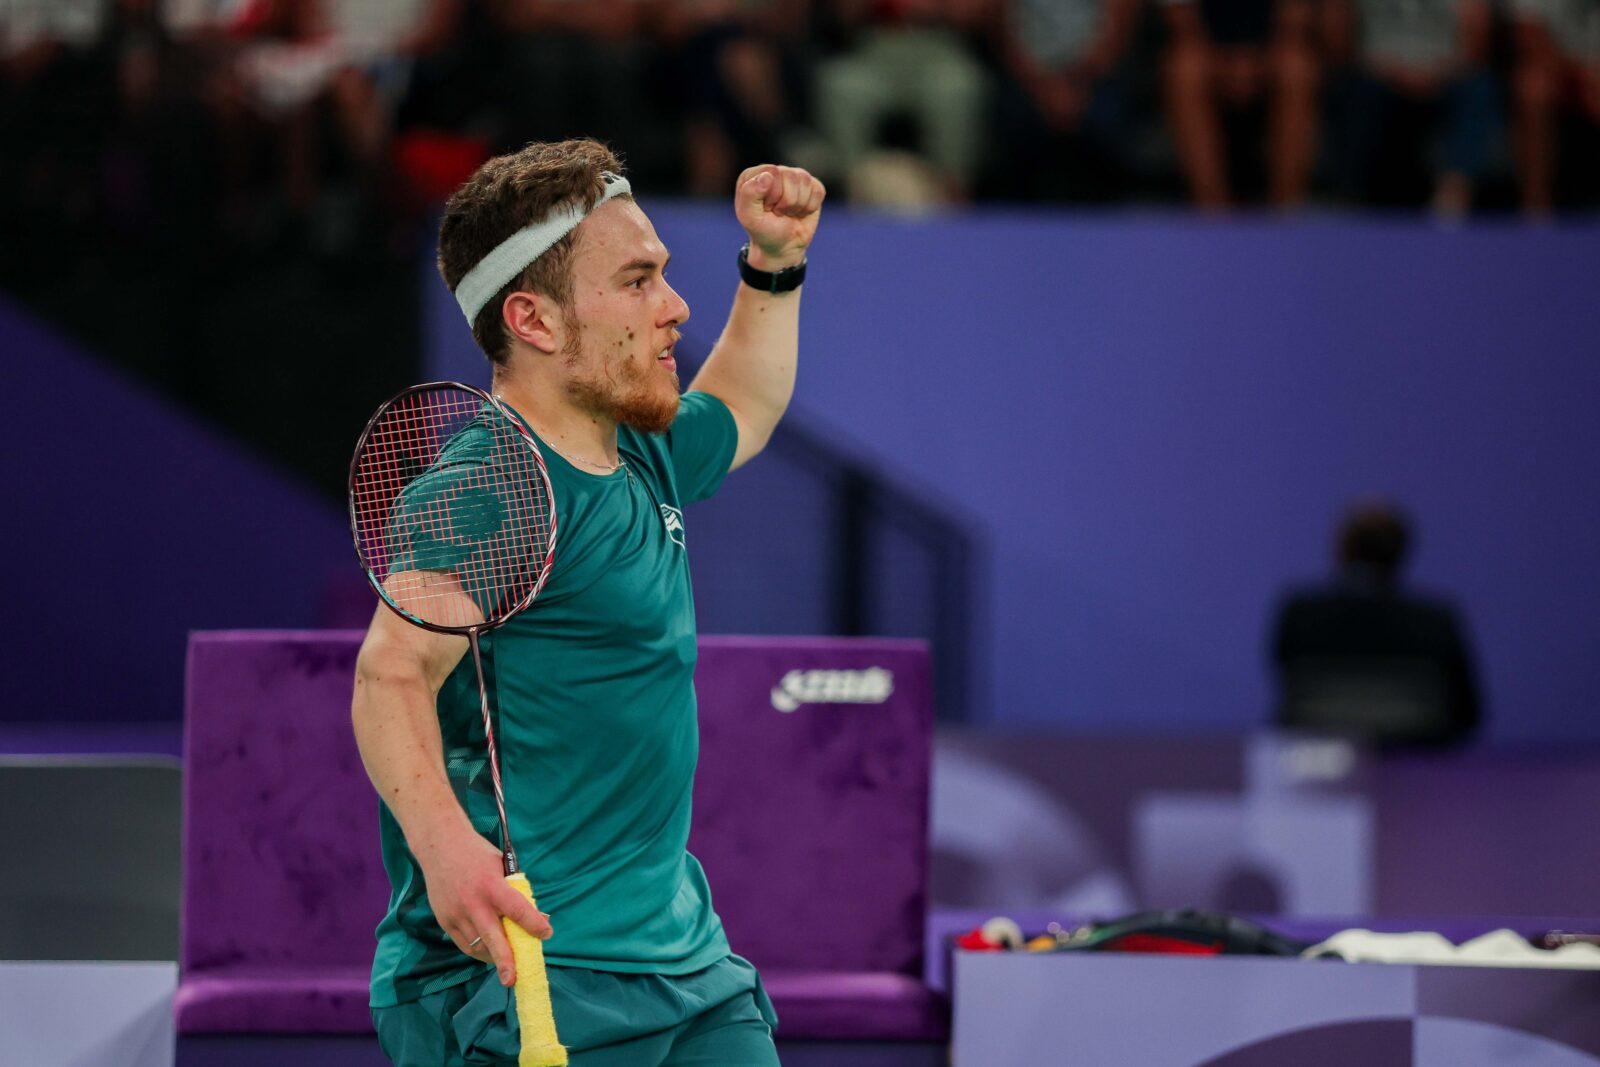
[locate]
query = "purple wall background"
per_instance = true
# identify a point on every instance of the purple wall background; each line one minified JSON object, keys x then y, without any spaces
{"x":1149,"y":423}
{"x":132,"y":524}
{"x":1152,"y":424}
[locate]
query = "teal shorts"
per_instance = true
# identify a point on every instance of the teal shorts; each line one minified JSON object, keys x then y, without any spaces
{"x":717,"y":1017}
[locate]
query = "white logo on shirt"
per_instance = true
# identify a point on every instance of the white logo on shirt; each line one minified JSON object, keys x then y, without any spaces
{"x":871,"y":686}
{"x":672,"y":519}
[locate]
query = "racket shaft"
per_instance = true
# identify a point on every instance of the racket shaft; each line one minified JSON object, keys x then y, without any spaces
{"x":540,"y":1047}
{"x":508,"y":855}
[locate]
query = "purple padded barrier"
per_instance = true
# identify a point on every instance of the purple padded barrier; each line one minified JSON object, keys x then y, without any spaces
{"x":347,"y":1050}
{"x":811,"y":819}
{"x":812,"y":824}
{"x":282,"y":882}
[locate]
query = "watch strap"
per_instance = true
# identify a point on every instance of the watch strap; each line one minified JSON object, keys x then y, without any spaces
{"x":770,"y":281}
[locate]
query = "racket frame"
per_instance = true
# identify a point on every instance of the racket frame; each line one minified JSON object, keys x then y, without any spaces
{"x":355,"y":529}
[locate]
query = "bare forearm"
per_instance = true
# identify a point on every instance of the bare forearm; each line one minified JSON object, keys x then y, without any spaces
{"x":397,"y":732}
{"x":752,"y":367}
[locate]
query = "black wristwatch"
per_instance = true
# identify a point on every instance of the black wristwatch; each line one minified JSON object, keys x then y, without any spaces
{"x":770,"y":281}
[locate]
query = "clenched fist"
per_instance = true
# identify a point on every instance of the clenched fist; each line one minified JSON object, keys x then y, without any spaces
{"x":779,"y":208}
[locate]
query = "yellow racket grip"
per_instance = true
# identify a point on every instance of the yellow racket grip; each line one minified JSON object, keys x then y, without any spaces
{"x":540,"y":1047}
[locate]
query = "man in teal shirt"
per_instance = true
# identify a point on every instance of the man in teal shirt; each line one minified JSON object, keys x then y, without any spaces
{"x":562,"y":279}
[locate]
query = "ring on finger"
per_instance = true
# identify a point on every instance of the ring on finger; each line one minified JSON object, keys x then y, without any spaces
{"x":475,"y":942}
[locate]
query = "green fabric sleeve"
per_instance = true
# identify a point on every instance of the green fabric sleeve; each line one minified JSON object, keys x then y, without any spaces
{"x":701,"y":443}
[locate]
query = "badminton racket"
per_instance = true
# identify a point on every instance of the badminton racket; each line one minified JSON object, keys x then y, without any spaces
{"x":455,"y":525}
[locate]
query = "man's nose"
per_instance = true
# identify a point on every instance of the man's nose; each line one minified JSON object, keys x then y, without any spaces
{"x":677,"y":308}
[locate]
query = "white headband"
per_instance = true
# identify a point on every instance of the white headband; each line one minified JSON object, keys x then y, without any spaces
{"x":511,"y":256}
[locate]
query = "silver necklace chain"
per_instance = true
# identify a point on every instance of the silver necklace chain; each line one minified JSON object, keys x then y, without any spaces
{"x":604,"y":468}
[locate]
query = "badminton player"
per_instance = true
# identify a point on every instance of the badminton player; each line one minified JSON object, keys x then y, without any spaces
{"x":563,"y":281}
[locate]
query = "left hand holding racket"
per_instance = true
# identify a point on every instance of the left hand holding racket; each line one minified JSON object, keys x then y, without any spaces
{"x":470,"y":898}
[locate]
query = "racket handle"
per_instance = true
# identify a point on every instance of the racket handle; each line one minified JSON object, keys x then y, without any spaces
{"x":540,"y":1047}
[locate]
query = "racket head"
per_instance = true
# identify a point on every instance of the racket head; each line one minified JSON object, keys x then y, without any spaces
{"x":451,"y":508}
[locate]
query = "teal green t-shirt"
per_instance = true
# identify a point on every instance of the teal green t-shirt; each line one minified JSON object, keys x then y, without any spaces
{"x":595,"y":722}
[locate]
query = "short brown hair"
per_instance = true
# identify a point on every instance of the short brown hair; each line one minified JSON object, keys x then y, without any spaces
{"x":506,"y":194}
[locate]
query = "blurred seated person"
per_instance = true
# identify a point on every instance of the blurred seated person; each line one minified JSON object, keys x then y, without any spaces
{"x":146,"y":182}
{"x":52,"y":105}
{"x":1557,"y":77}
{"x":292,"y":63}
{"x":906,"y":58}
{"x":576,"y":68}
{"x":1419,"y":75}
{"x":35,"y":33}
{"x":729,"y":67}
{"x":1063,"y":114}
{"x":1226,"y":59}
{"x":1362,"y":656}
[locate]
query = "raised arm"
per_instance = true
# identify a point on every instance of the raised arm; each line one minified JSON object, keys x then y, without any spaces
{"x":399,"y":672}
{"x":752,"y":367}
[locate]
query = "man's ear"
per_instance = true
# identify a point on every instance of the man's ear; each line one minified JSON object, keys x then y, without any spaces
{"x":534,"y":320}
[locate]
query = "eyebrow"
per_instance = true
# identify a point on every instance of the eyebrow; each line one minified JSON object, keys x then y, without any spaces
{"x":644,"y":263}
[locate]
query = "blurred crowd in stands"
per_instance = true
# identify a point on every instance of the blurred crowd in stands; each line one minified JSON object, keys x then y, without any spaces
{"x":231,"y":198}
{"x":243,"y":116}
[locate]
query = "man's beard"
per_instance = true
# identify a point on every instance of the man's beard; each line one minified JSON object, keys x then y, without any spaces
{"x":630,"y":398}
